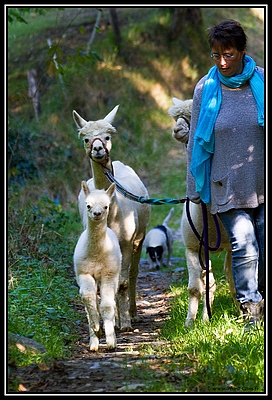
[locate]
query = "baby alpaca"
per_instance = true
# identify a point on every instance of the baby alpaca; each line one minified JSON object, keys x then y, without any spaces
{"x":158,"y":242}
{"x":97,"y":263}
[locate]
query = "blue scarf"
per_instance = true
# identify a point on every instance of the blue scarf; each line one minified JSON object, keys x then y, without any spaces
{"x":211,"y":101}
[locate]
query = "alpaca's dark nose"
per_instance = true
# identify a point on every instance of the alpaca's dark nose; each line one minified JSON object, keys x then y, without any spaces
{"x":97,"y":148}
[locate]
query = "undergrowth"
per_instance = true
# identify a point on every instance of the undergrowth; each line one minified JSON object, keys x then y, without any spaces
{"x":218,"y":356}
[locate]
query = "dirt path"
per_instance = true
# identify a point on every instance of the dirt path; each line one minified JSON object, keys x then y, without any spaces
{"x":111,"y":372}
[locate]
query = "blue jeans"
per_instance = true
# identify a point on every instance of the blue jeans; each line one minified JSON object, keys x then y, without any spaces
{"x":245,"y":229}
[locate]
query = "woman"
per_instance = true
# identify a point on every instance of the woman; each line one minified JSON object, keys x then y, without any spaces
{"x":225,"y":165}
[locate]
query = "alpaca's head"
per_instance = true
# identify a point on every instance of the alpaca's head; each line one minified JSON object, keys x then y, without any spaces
{"x":181,"y":112}
{"x":98,"y":202}
{"x":181,"y":130}
{"x":96,"y":135}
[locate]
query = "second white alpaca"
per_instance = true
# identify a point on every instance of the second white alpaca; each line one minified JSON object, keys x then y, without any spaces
{"x":97,"y":264}
{"x":181,"y":112}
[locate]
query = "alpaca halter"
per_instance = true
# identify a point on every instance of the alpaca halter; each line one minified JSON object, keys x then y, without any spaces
{"x":186,"y":120}
{"x":104,"y":147}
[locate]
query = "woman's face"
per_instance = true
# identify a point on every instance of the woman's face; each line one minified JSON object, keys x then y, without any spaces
{"x":232,"y":64}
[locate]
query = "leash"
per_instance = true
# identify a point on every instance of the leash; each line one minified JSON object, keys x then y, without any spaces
{"x":203,"y":239}
{"x":140,"y":199}
{"x":207,"y":258}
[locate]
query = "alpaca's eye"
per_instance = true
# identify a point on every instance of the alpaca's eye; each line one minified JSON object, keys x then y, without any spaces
{"x":88,"y":206}
{"x":106,"y":207}
{"x":107,"y":137}
{"x":86,"y":140}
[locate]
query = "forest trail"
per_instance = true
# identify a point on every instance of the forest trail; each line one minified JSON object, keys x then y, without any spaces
{"x":113,"y":371}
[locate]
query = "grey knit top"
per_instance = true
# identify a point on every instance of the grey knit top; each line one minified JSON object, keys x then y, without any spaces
{"x":237,"y":166}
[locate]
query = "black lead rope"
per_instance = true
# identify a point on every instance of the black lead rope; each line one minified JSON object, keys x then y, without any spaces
{"x":206,"y":254}
{"x":200,"y":238}
{"x":203,"y":239}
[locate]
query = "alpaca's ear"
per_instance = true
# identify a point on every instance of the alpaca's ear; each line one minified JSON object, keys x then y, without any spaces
{"x":80,"y":122}
{"x":110,"y":117}
{"x":85,"y":188}
{"x":111,"y":189}
{"x":176,"y":101}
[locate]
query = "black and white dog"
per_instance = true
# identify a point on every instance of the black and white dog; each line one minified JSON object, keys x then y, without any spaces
{"x":159,"y":242}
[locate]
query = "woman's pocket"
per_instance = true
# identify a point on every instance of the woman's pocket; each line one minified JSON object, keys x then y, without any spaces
{"x":220,"y":190}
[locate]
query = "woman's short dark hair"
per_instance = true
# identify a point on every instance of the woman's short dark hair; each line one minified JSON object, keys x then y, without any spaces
{"x":228,"y":33}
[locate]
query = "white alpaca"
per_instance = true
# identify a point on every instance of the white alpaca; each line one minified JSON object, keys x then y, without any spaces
{"x":197,"y":276}
{"x":181,"y":112}
{"x":127,"y":218}
{"x":97,"y":264}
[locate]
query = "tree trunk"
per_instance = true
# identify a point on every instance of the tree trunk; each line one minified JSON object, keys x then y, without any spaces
{"x":185,"y":16}
{"x":96,"y":26}
{"x":33,"y":92}
{"x":116,"y":30}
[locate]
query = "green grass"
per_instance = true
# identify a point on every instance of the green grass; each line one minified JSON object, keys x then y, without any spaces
{"x":46,"y":163}
{"x":218,"y":356}
{"x":42,"y":291}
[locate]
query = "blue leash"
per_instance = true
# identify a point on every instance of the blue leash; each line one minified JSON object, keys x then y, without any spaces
{"x":141,"y":199}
